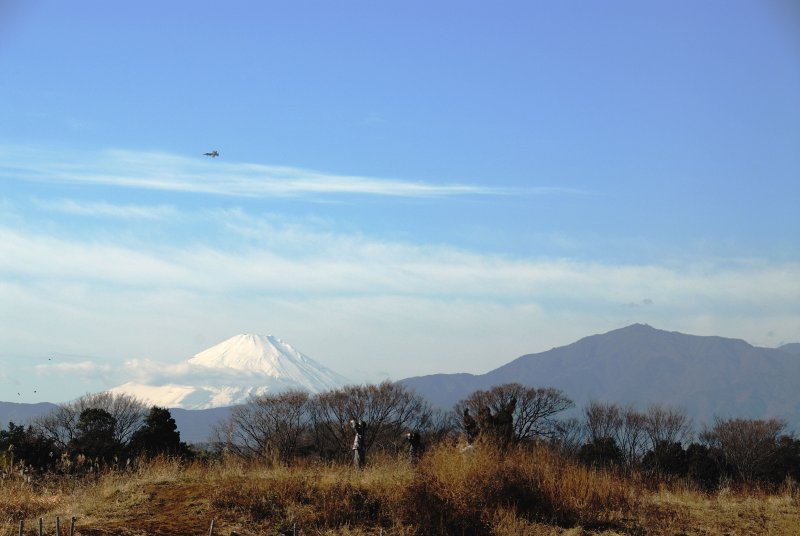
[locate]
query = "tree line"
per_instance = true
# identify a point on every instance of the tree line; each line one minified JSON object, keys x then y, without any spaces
{"x":662,"y":442}
{"x":109,"y":430}
{"x":94,"y":431}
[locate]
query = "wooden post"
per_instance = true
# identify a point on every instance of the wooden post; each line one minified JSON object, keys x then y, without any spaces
{"x":21,"y":526}
{"x":72,"y":526}
{"x":211,"y":530}
{"x":58,"y":526}
{"x":41,"y":528}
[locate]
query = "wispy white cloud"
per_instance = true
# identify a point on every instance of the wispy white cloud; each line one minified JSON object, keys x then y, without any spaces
{"x":43,"y":256}
{"x":329,"y":263}
{"x":150,"y":371}
{"x":80,"y":367}
{"x":110,"y":210}
{"x":161,"y":171}
{"x":87,"y":371}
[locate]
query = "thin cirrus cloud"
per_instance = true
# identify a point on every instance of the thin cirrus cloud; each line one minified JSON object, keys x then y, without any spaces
{"x":103,"y":209}
{"x":162,"y":171}
{"x":82,"y":366}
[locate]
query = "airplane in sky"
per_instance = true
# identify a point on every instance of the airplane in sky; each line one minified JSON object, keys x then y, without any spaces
{"x":212,"y":154}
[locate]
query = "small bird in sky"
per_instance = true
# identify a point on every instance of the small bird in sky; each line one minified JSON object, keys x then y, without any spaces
{"x":212,"y":154}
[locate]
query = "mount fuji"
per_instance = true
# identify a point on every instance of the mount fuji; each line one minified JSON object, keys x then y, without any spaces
{"x":230,"y":372}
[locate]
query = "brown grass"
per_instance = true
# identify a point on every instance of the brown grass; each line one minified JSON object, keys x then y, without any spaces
{"x":478,"y":492}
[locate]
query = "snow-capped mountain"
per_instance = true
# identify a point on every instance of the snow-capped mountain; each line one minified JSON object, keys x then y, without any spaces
{"x":265,"y":355}
{"x":231,"y":371}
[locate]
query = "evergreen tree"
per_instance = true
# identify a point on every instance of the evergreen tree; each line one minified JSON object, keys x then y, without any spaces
{"x":96,"y":437}
{"x":24,"y":445}
{"x":786,"y":461}
{"x":602,"y":452}
{"x":666,"y":458}
{"x":158,"y":435}
{"x":703,"y":465}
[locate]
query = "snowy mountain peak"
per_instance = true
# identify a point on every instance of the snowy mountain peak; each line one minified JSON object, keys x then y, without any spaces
{"x":267,"y":356}
{"x":261,"y":354}
{"x":231,"y":371}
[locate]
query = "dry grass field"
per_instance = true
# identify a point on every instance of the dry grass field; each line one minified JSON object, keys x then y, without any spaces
{"x":448,"y":492}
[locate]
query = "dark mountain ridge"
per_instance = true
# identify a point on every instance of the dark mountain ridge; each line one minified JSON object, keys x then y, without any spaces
{"x":640,"y":365}
{"x":20,"y":413}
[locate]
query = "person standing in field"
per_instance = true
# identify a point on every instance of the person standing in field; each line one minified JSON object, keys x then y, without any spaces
{"x":359,"y":451}
{"x":470,"y":427}
{"x":414,"y":446}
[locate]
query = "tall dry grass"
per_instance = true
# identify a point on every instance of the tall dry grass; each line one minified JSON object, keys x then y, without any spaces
{"x":20,"y":500}
{"x":472,"y":487}
{"x":450,"y":492}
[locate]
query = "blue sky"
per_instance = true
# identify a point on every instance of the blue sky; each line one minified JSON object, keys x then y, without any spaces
{"x":403,"y":188}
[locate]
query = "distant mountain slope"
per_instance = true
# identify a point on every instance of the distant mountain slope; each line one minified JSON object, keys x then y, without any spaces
{"x":791,"y":348}
{"x":196,"y":425}
{"x":22,"y":413}
{"x":709,"y":376}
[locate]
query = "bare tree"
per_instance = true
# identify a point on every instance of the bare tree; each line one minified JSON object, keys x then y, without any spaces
{"x":61,"y":425}
{"x":631,"y":436}
{"x":272,"y":424}
{"x":603,"y":420}
{"x":440,"y":426}
{"x":532,"y":409}
{"x":667,"y":424}
{"x":331,"y":413}
{"x":388,"y":409}
{"x":635,"y":433}
{"x":567,"y":436}
{"x":746,"y":445}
